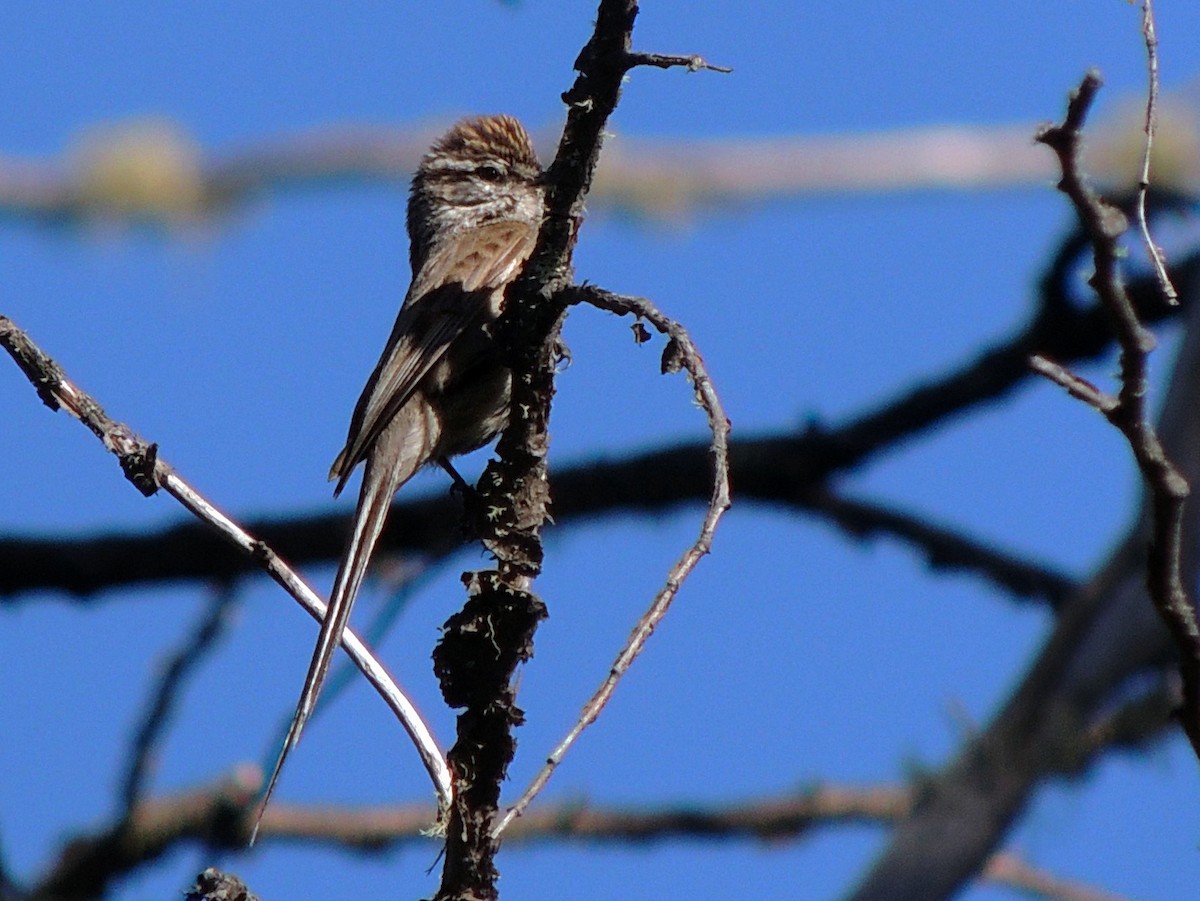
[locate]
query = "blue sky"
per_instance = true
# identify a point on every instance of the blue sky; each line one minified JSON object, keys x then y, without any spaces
{"x":240,"y":347}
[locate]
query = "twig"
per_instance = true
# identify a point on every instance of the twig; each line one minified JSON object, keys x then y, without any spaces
{"x":1008,"y":868}
{"x":680,"y":353}
{"x":1150,"y":35}
{"x":148,"y":472}
{"x":1168,"y":489}
{"x":1078,"y":388}
{"x":692,"y":62}
{"x":176,"y":670}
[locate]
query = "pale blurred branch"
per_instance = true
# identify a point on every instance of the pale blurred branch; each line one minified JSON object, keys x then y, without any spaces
{"x":154,"y":172}
{"x":217,"y":817}
{"x":1009,"y":869}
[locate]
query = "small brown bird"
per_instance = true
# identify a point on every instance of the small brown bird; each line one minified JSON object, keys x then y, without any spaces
{"x":440,"y":388}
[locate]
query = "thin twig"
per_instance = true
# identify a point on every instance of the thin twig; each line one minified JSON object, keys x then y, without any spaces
{"x":1150,"y":35}
{"x":1010,"y":869}
{"x":690,"y":62}
{"x":177,"y":668}
{"x":680,"y":353}
{"x":1078,"y":388}
{"x":148,"y":472}
{"x":1168,"y":489}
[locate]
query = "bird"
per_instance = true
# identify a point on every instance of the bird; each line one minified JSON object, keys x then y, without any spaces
{"x":440,"y":387}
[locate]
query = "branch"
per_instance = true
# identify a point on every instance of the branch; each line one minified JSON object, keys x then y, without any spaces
{"x":149,"y":472}
{"x":208,"y":816}
{"x":1009,"y":869}
{"x":680,"y":353}
{"x":483,"y":644}
{"x":166,"y":179}
{"x":89,"y":864}
{"x":782,"y":468}
{"x":178,"y":667}
{"x":1127,"y":411}
{"x":944,"y":548}
{"x":1106,"y":637}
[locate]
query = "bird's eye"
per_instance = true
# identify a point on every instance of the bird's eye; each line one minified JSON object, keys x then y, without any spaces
{"x":490,"y":172}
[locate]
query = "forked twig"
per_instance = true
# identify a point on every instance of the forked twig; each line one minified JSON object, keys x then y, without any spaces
{"x":149,"y":472}
{"x":680,"y":353}
{"x":1168,"y":490}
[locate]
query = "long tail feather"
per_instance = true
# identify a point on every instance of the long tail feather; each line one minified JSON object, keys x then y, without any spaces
{"x":385,"y":473}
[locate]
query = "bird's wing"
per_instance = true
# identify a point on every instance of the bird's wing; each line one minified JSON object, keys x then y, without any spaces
{"x":452,"y":292}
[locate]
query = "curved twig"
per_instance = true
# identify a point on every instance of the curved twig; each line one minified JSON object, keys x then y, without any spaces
{"x":1150,"y":37}
{"x":680,"y":353}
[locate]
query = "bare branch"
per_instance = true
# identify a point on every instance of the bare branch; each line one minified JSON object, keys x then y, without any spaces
{"x":781,"y":468}
{"x":90,"y":864}
{"x":680,"y":353}
{"x":666,"y":61}
{"x":945,"y":548}
{"x":163,"y":824}
{"x":1106,"y":635}
{"x":1169,"y":490}
{"x":1078,"y":388}
{"x":177,"y":668}
{"x":149,"y":472}
{"x":482,"y":645}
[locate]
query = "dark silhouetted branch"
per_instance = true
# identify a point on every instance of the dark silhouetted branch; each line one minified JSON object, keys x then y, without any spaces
{"x":1127,"y":410}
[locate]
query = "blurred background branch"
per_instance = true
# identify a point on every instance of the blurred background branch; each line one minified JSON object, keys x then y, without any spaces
{"x":154,"y":172}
